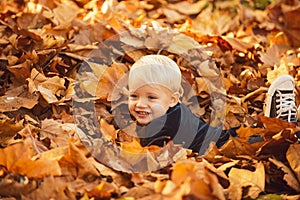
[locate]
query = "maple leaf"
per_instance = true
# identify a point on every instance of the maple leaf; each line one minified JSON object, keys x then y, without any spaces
{"x":18,"y":159}
{"x":108,"y":82}
{"x":76,"y":163}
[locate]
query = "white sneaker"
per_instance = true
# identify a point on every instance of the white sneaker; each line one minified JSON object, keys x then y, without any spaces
{"x":280,"y":99}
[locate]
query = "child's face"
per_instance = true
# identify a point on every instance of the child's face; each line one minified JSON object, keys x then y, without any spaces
{"x":150,"y":101}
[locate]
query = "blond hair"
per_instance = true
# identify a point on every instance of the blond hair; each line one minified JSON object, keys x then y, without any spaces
{"x":155,"y":69}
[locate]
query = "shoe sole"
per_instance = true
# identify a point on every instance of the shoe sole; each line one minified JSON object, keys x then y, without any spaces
{"x":279,"y":81}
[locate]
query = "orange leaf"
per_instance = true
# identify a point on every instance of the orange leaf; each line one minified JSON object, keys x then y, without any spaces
{"x":109,"y":80}
{"x":18,"y":159}
{"x":182,"y":170}
{"x":108,"y":130}
{"x":78,"y":162}
{"x":274,"y":125}
{"x":246,"y":132}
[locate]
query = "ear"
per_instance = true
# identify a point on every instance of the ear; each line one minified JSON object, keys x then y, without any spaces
{"x":174,"y":99}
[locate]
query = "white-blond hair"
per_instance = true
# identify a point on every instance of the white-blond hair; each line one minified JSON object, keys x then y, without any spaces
{"x":155,"y":69}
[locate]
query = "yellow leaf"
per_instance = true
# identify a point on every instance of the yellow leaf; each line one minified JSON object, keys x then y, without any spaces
{"x":277,"y":71}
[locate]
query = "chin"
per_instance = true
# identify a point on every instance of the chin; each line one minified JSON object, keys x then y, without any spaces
{"x":143,"y":122}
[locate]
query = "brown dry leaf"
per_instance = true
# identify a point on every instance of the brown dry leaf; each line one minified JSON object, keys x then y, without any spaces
{"x":11,"y":187}
{"x":8,"y":129}
{"x":56,"y":189}
{"x":57,"y":131}
{"x":158,"y":37}
{"x":282,"y":69}
{"x":213,"y":155}
{"x":181,"y":44}
{"x":272,"y":56}
{"x":55,"y":153}
{"x":136,"y":148}
{"x":188,"y":8}
{"x":102,"y":191}
{"x":293,"y":157}
{"x":182,"y":170}
{"x":18,"y":159}
{"x":172,"y":15}
{"x":274,"y":125}
{"x":197,"y":179}
{"x":118,"y":178}
{"x":65,"y":13}
{"x":109,"y":81}
{"x":235,"y":192}
{"x":291,"y":18}
{"x":50,"y":88}
{"x":238,"y":146}
{"x":16,"y":98}
{"x":245,"y":178}
{"x":239,"y":44}
{"x":132,"y":38}
{"x":144,"y":157}
{"x":215,"y":22}
{"x":246,"y":132}
{"x":289,"y":176}
{"x":76,"y":162}
{"x":108,"y":130}
{"x":21,"y":71}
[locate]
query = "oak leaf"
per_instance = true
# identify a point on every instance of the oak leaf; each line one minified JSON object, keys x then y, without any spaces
{"x":245,"y":178}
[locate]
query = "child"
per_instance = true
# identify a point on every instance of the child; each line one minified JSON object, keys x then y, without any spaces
{"x":155,"y":89}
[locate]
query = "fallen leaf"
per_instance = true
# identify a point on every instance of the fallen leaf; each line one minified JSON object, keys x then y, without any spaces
{"x":18,"y":159}
{"x":108,"y":82}
{"x":108,"y":130}
{"x":76,"y":159}
{"x":289,"y":176}
{"x":8,"y":129}
{"x":245,"y":178}
{"x":16,"y":98}
{"x":293,"y":156}
{"x":50,"y":88}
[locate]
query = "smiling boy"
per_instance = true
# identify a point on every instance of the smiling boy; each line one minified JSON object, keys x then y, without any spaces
{"x":154,"y":102}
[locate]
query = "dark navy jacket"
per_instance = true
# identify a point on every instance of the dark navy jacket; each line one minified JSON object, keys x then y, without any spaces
{"x":181,"y":126}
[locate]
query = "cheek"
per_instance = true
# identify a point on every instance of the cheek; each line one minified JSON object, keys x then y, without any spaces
{"x":130,"y":106}
{"x":159,"y":109}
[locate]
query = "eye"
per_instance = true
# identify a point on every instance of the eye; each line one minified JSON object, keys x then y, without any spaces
{"x":152,"y":97}
{"x":133,"y":96}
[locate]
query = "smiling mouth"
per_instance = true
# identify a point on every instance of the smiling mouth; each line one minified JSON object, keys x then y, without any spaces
{"x":142,"y":113}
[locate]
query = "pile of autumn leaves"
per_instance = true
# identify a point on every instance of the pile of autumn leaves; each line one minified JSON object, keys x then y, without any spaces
{"x":43,"y":47}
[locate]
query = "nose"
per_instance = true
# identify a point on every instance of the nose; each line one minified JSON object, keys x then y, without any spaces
{"x":141,"y":102}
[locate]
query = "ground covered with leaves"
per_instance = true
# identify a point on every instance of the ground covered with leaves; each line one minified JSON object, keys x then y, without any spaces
{"x":61,"y":60}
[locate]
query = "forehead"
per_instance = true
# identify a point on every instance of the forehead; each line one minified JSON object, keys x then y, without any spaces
{"x":151,"y":88}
